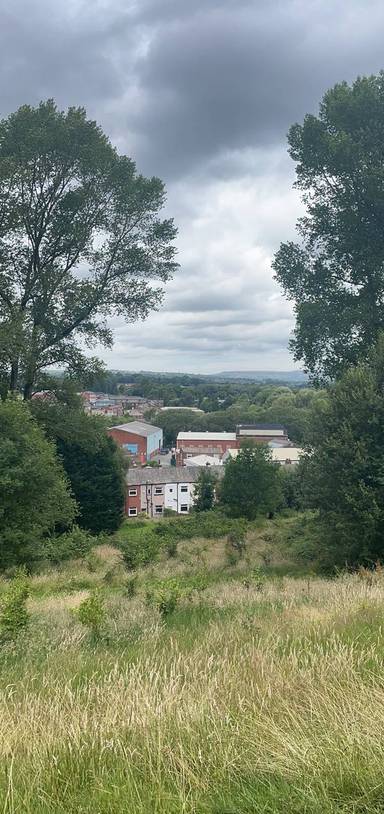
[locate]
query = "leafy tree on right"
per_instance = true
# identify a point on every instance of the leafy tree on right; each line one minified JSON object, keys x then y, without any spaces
{"x":343,"y":474}
{"x":335,"y":275}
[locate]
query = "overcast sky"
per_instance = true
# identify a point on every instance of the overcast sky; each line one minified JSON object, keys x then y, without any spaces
{"x":200,"y":93}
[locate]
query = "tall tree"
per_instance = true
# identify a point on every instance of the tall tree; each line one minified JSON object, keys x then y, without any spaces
{"x":344,"y":473}
{"x":80,"y":240}
{"x":34,"y":493}
{"x":205,"y":490}
{"x":93,"y":463}
{"x":335,"y":276}
{"x":251,"y":483}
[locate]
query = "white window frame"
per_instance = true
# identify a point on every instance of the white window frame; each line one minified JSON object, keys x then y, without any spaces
{"x":184,"y":508}
{"x":158,"y":490}
{"x":132,"y":511}
{"x":132,"y":492}
{"x":184,"y":489}
{"x":160,"y":508}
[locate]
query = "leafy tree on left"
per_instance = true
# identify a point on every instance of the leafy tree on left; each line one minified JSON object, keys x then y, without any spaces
{"x":34,"y":493}
{"x":81,"y":239}
{"x":93,"y":463}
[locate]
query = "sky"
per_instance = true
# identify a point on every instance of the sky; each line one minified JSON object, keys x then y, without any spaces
{"x":200,"y":93}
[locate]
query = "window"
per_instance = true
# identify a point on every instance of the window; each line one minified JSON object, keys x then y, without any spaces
{"x":171,"y":490}
{"x":158,"y":510}
{"x":132,"y":492}
{"x":184,"y":507}
{"x":184,"y":489}
{"x":132,"y":512}
{"x":158,"y":490}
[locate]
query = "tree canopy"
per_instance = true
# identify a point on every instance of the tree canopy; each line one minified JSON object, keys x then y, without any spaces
{"x":335,"y":275}
{"x":81,"y":239}
{"x":344,"y":472}
{"x":205,"y":490}
{"x":92,"y":462}
{"x":251,"y":483}
{"x":34,"y":493}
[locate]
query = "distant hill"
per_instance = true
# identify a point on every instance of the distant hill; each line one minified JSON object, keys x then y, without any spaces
{"x":289,"y":376}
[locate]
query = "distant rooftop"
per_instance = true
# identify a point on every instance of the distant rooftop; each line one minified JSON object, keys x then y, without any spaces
{"x":260,"y":427}
{"x":168,"y":474}
{"x":137,"y":428}
{"x":206,"y":436}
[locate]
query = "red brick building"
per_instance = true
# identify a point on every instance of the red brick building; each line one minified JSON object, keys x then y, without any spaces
{"x":189,"y":444}
{"x":139,"y":440}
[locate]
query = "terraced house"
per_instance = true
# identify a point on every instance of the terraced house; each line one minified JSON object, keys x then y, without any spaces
{"x":169,"y":487}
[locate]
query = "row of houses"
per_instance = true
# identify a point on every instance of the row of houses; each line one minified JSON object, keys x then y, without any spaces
{"x":170,"y":487}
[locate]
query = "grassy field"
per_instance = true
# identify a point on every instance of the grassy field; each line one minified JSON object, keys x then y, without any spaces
{"x":247,"y":698}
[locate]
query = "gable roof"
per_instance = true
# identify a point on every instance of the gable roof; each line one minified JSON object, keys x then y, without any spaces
{"x":137,"y":428}
{"x":168,"y":474}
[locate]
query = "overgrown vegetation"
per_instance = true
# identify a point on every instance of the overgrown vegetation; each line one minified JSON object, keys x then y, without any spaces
{"x":141,"y":698}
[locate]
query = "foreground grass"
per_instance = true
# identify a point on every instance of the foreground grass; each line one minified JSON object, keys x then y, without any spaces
{"x":242,"y":701}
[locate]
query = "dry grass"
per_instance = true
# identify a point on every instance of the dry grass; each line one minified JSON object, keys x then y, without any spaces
{"x":244,"y":701}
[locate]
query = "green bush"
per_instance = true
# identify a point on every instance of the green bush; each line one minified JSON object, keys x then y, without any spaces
{"x":131,"y":587}
{"x":14,"y":615}
{"x":91,"y":613}
{"x":74,"y":544}
{"x":165,"y":595}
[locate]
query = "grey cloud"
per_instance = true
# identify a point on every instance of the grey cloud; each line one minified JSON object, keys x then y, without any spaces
{"x":233,"y":77}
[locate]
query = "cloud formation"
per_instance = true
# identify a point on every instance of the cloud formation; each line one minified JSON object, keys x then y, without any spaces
{"x":201,"y":93}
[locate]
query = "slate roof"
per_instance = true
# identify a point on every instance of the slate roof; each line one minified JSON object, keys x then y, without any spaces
{"x":206,"y":436}
{"x":137,"y":428}
{"x":168,"y":474}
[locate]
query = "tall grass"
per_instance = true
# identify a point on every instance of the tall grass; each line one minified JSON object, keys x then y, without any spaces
{"x":243,"y":700}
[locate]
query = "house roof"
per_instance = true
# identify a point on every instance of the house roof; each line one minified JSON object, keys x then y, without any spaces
{"x":203,"y":460}
{"x":206,"y":436}
{"x":137,"y":428}
{"x":282,"y":454}
{"x":168,"y":474}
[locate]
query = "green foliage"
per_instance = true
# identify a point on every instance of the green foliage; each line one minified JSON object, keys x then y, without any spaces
{"x":344,"y":475}
{"x":91,"y":613}
{"x":131,"y":587}
{"x":92,"y":461}
{"x":291,"y":487}
{"x":258,"y":578}
{"x":237,"y":541}
{"x":34,"y":494}
{"x":141,"y":542}
{"x":335,"y":276}
{"x":251,"y":484}
{"x":165,"y":595}
{"x":73,"y":544}
{"x":205,"y":491}
{"x":14,"y":616}
{"x":72,"y":204}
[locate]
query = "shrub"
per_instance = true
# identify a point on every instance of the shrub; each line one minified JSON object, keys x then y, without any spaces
{"x":74,"y":544}
{"x":237,"y":541}
{"x":14,"y":615}
{"x":258,"y":578}
{"x":131,"y":587}
{"x":165,"y":596}
{"x":91,"y":613}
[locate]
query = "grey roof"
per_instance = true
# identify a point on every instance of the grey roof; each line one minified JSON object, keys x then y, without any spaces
{"x":168,"y":474}
{"x":260,"y":427}
{"x":137,"y":428}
